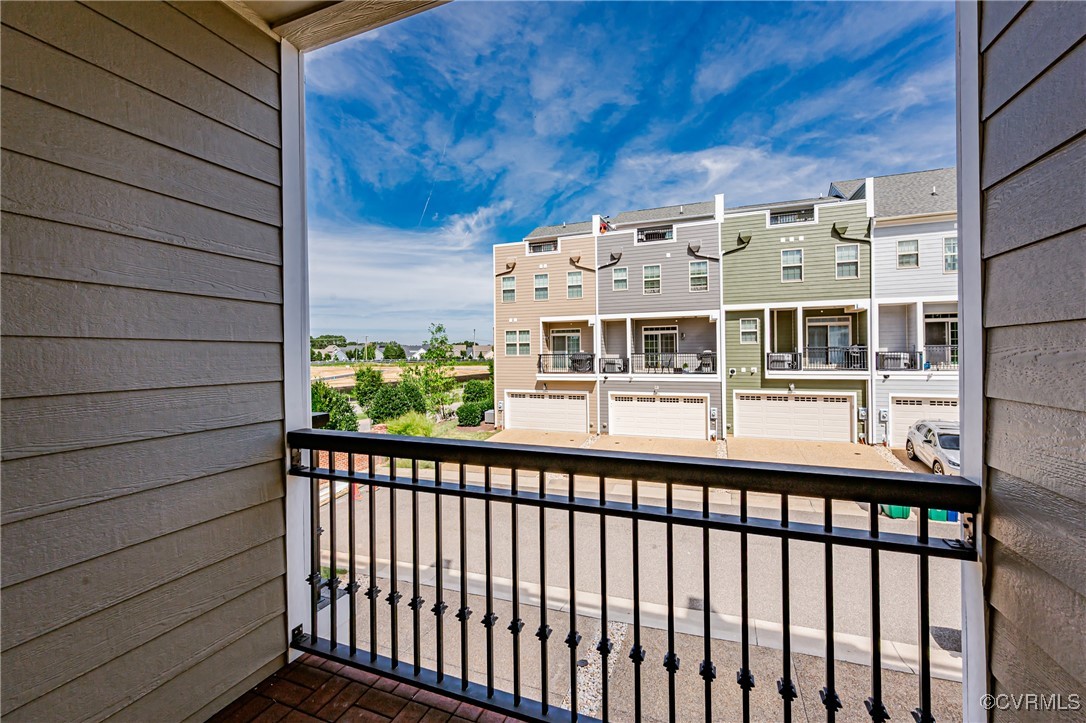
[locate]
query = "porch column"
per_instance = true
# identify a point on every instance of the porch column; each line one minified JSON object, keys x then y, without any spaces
{"x":919,"y":307}
{"x":765,"y":337}
{"x":799,"y":329}
{"x":629,"y":337}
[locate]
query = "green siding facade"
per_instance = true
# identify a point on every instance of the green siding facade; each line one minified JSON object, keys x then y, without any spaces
{"x":753,"y":274}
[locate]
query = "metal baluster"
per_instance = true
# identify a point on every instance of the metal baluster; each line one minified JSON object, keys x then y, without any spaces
{"x":516,"y":624}
{"x":352,"y":585}
{"x":574,"y":638}
{"x":923,"y":714}
{"x":707,"y":669}
{"x":744,"y":677}
{"x":416,"y":601}
{"x":829,"y":696}
{"x":373,"y":591}
{"x":785,"y":687}
{"x":605,"y":646}
{"x":671,"y":660}
{"x":875,"y":707}
{"x":394,"y":596}
{"x":464,"y":612}
{"x":544,"y":631}
{"x":637,"y":653}
{"x":315,"y":531}
{"x":439,"y":607}
{"x":333,"y":577}
{"x":489,"y":618}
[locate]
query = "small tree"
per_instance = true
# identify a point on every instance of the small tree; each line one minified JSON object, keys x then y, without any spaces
{"x":438,"y":348}
{"x":433,"y":380}
{"x":394,"y":351}
{"x":368,"y":352}
{"x":340,"y":414}
{"x":367,"y":381}
{"x":394,"y":400}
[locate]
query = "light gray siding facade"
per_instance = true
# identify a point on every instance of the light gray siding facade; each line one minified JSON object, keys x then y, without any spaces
{"x":673,"y":257}
{"x":930,"y":278}
{"x":143,"y":513}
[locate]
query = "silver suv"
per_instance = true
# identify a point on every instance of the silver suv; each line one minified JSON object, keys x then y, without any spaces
{"x":936,"y":444}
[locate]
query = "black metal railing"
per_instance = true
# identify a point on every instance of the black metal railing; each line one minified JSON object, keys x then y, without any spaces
{"x":941,"y":357}
{"x":899,"y":360}
{"x":499,"y":480}
{"x":614,"y":365}
{"x":568,"y":363}
{"x":844,"y":358}
{"x":703,"y":362}
{"x":805,"y":214}
{"x":782,"y":361}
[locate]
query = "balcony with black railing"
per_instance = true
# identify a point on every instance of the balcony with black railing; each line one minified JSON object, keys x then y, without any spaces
{"x":702,"y":362}
{"x":899,"y":360}
{"x":506,"y":576}
{"x":835,"y":358}
{"x":941,"y":357}
{"x":567,"y":363}
{"x":795,"y":216}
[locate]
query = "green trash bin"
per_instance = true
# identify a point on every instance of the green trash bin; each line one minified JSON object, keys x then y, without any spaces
{"x":896,"y":512}
{"x":937,"y":515}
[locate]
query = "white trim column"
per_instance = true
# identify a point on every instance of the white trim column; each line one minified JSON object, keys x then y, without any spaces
{"x":799,"y":329}
{"x":297,"y":412}
{"x":918,"y":310}
{"x":765,"y":337}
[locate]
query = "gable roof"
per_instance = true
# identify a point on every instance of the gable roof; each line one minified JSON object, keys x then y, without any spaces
{"x":782,"y":204}
{"x":846,"y":189}
{"x":565,"y":229}
{"x":666,"y":213}
{"x":909,"y":194}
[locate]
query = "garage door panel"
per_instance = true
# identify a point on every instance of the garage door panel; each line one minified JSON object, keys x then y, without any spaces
{"x":907,"y":411}
{"x":665,"y":415}
{"x":556,"y":412}
{"x":822,"y":417}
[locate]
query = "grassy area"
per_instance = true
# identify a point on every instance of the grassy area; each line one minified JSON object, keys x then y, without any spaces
{"x":448,"y":430}
{"x":326,"y":570}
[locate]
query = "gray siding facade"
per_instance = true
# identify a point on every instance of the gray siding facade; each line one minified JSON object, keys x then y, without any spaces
{"x":674,"y":259}
{"x":929,"y":278}
{"x":1033,"y":248}
{"x":618,"y":384}
{"x":143,"y":514}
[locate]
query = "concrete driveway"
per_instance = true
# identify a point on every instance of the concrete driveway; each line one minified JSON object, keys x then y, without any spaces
{"x":541,"y":438}
{"x":822,"y":454}
{"x":914,"y":465}
{"x":656,"y":445}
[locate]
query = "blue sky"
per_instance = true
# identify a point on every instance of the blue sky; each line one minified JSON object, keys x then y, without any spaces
{"x":434,"y":138}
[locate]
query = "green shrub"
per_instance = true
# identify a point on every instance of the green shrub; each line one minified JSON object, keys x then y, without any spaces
{"x":470,"y":414}
{"x":394,"y":400}
{"x":340,"y":414}
{"x":367,"y":381}
{"x":411,"y":424}
{"x":478,"y":390}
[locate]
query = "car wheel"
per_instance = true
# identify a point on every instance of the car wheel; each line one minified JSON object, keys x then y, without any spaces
{"x":909,"y":451}
{"x":937,"y":467}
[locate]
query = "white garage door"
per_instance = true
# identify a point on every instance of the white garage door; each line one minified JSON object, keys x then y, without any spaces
{"x":907,"y":411}
{"x":551,"y":411}
{"x":802,"y":415}
{"x":663,"y":415}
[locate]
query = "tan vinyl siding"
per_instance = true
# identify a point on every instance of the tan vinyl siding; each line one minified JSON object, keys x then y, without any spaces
{"x":525,"y":314}
{"x":143,"y":547}
{"x":1033,"y":159}
{"x":753,"y":274}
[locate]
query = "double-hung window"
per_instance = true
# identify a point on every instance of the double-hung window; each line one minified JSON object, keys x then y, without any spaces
{"x":908,"y":254}
{"x":699,"y":275}
{"x":950,"y":255}
{"x":542,"y":287}
{"x":792,"y":265}
{"x":848,"y":261}
{"x":518,"y":343}
{"x":574,"y":289}
{"x":748,"y":331}
{"x":619,"y":279}
{"x":509,"y":289}
{"x":652,"y":279}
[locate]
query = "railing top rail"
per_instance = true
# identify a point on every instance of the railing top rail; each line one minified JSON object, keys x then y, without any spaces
{"x":872,"y":486}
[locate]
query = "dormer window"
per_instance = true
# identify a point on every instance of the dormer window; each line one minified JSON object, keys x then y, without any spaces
{"x":655,"y":234}
{"x":795,"y":215}
{"x":542,"y":247}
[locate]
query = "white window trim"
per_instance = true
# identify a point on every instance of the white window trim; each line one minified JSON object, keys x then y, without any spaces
{"x":691,"y":277}
{"x":565,"y":332}
{"x":569,"y":286}
{"x":837,"y":262}
{"x":957,"y":252}
{"x":826,"y":321}
{"x":757,"y":330}
{"x":802,"y":260}
{"x":518,"y":342}
{"x":514,"y":289}
{"x":639,"y":229}
{"x":528,"y":247}
{"x":644,"y":280}
{"x":897,"y":248}
{"x":660,"y":330}
{"x":627,"y":279}
{"x":536,"y":287}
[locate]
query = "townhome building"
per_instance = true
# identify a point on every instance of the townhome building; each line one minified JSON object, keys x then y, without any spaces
{"x":797,"y":316}
{"x":914,"y":290}
{"x":545,"y":330}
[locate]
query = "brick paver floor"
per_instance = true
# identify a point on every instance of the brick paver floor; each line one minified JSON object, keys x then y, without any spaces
{"x":313,"y":689}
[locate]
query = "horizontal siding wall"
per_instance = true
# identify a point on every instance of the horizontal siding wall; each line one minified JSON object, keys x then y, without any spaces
{"x":619,"y":385}
{"x":1034,"y":253}
{"x":929,"y":279}
{"x":142,"y":360}
{"x":918,"y":384}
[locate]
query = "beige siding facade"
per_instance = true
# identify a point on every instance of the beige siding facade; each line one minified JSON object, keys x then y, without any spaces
{"x":520,"y":372}
{"x":143,"y":514}
{"x":1033,"y":160}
